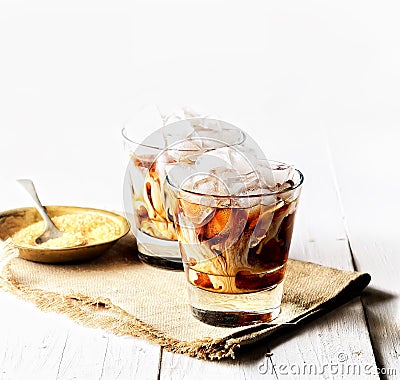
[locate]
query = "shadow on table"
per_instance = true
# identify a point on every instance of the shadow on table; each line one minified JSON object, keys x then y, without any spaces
{"x":373,"y":296}
{"x":378,"y":324}
{"x":255,"y":353}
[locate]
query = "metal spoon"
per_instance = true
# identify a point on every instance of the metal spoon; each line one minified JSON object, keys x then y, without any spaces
{"x":51,"y":231}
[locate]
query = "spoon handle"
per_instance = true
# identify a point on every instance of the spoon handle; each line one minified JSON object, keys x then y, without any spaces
{"x":28,"y":185}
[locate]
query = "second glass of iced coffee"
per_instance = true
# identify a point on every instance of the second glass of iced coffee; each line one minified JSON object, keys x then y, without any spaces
{"x":177,"y":143}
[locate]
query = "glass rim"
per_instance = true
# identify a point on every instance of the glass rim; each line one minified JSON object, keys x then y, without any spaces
{"x":241,"y":140}
{"x":277,"y":192}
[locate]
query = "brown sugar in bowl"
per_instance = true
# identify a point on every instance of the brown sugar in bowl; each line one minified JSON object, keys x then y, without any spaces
{"x":12,"y":221}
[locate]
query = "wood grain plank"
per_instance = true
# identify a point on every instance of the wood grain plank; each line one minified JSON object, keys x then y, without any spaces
{"x":247,"y":366}
{"x":368,"y":183}
{"x":319,"y":237}
{"x":30,"y":343}
{"x":48,"y":346}
{"x":128,"y":358}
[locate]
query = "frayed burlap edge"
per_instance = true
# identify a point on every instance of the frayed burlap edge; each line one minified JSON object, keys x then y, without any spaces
{"x":102,"y":313}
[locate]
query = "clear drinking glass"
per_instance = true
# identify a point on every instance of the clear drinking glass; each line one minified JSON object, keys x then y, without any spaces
{"x":178,"y":143}
{"x":235,"y":247}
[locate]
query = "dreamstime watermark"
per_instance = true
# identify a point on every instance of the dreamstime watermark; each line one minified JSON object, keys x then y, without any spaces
{"x":334,"y":367}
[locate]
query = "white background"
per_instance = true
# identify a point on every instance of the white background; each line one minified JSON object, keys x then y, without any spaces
{"x":71,"y":72}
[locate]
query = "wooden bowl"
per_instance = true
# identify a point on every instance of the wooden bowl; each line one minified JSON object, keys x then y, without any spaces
{"x":12,"y":221}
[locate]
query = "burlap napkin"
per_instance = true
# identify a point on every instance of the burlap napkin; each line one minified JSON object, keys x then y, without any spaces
{"x":118,"y":293}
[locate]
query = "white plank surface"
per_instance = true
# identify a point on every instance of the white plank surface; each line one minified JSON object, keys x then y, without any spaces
{"x":368,"y":186}
{"x":26,"y":347}
{"x":45,"y":346}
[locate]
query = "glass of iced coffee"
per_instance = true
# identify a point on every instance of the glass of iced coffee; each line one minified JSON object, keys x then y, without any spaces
{"x":177,"y":143}
{"x":234,"y":224}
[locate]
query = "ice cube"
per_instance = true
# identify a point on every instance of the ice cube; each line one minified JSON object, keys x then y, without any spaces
{"x":207,"y":184}
{"x":206,"y":126}
{"x":208,"y":161}
{"x":218,"y":131}
{"x":180,"y":174}
{"x":180,"y":114}
{"x":176,"y":132}
{"x":190,"y":113}
{"x":283,"y":175}
{"x":265,"y":174}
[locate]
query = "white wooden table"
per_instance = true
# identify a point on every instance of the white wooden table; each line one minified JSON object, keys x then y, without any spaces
{"x":316,"y":84}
